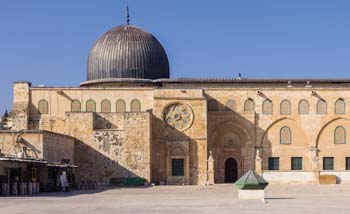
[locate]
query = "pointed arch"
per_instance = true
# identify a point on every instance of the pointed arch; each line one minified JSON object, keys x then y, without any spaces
{"x":285,"y":135}
{"x":321,"y":107}
{"x":339,"y":107}
{"x":43,"y":107}
{"x":303,"y":107}
{"x":244,"y":131}
{"x":339,"y":135}
{"x":231,"y":105}
{"x":75,"y":106}
{"x":285,"y":107}
{"x":135,"y":105}
{"x":249,"y":105}
{"x":121,"y":106}
{"x":324,"y":126}
{"x":270,"y":126}
{"x":267,"y":107}
{"x":106,"y":106}
{"x":91,"y":106}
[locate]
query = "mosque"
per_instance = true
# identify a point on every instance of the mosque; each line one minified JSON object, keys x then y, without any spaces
{"x":129,"y":121}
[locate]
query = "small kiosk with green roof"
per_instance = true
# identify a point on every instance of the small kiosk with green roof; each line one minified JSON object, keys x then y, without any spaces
{"x":251,"y":186}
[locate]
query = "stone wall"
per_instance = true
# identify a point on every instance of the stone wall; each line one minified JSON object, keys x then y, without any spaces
{"x":60,"y":99}
{"x":312,"y":134}
{"x":22,"y":144}
{"x":19,"y":116}
{"x":118,"y":150}
{"x":57,"y":147}
{"x":41,"y":145}
{"x":191,"y":138}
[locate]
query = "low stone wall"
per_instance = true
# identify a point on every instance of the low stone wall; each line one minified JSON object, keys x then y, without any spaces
{"x":288,"y":177}
{"x":57,"y":147}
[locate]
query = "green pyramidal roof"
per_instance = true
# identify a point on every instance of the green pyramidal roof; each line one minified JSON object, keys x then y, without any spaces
{"x":251,"y":180}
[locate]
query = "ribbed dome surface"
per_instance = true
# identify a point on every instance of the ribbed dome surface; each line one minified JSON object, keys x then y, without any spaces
{"x":127,"y":52}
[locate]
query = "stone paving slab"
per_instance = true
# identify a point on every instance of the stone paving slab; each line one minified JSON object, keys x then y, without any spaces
{"x":185,"y":199}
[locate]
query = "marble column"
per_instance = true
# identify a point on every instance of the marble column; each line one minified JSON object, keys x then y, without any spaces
{"x":315,"y":166}
{"x":258,"y":162}
{"x":210,"y":172}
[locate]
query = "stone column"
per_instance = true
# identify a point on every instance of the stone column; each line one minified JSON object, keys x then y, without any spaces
{"x":314,"y":159}
{"x":5,"y":189}
{"x":258,"y":162}
{"x":30,"y":188}
{"x":210,"y":172}
{"x":20,"y":107}
{"x":23,"y":187}
{"x":14,"y":189}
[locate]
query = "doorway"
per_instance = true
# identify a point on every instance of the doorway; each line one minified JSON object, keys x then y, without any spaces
{"x":231,"y":170}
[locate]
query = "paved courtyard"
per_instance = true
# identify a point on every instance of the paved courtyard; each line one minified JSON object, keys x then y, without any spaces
{"x":186,"y":199}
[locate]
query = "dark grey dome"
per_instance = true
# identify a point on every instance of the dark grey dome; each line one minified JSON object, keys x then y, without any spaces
{"x":127,"y":52}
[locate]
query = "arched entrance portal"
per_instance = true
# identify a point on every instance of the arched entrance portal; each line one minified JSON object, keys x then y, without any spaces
{"x":231,"y":170}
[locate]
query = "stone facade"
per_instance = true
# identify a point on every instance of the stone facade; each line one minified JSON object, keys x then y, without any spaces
{"x":244,"y":125}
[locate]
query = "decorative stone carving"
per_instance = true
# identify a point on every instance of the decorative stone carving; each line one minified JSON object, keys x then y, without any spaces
{"x":210,"y":173}
{"x":258,"y":162}
{"x":178,"y":116}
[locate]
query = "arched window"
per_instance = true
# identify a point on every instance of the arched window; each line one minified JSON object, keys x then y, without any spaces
{"x":91,"y":106}
{"x":340,"y":106}
{"x":43,"y":107}
{"x":121,"y":106}
{"x":303,"y":107}
{"x":249,"y":106}
{"x":285,"y":107}
{"x":267,"y":107}
{"x":339,"y":135}
{"x":135,"y":105}
{"x":105,"y":106}
{"x":213,"y":105}
{"x":285,"y":135}
{"x":321,"y":107}
{"x":75,"y":106}
{"x":230,"y":105}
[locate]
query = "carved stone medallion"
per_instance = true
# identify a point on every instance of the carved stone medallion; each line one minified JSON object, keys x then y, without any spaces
{"x":178,"y":116}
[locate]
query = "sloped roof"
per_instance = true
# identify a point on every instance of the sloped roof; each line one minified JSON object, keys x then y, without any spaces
{"x":251,"y":180}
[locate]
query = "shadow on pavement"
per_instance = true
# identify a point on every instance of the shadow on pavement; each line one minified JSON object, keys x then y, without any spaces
{"x":77,"y":192}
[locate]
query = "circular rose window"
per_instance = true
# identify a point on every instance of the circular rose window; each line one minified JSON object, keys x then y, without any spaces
{"x":178,"y":116}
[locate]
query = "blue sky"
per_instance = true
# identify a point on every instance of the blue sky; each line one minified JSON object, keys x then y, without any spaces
{"x":47,"y":42}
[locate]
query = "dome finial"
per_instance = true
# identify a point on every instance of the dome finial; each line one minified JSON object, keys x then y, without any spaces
{"x":127,"y":16}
